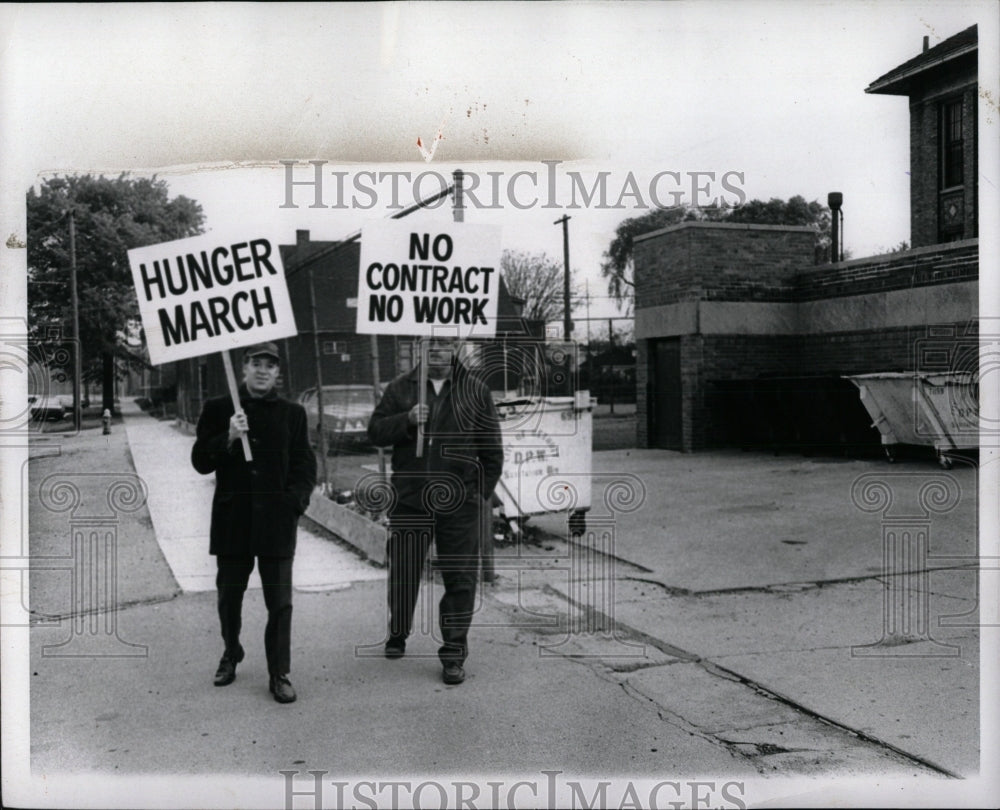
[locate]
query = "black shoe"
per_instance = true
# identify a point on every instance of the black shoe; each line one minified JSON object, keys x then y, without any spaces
{"x":282,"y":690}
{"x":226,"y":673}
{"x":395,"y":648}
{"x":453,"y":673}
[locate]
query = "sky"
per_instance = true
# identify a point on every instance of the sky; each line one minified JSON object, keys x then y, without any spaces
{"x":212,"y":96}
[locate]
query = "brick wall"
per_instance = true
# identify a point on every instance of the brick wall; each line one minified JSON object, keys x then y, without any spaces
{"x":693,"y":391}
{"x":938,"y":264}
{"x":925,"y":158}
{"x":641,"y":398}
{"x":719,"y":264}
{"x":729,"y":358}
{"x":665,"y":272}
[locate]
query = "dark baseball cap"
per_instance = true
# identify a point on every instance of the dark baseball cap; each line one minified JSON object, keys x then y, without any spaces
{"x":262,"y":350}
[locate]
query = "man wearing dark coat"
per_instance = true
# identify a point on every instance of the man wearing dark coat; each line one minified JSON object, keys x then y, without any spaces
{"x":438,"y":496}
{"x":256,"y":508}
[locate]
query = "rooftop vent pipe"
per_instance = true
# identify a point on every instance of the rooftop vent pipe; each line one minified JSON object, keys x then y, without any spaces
{"x":835,"y":200}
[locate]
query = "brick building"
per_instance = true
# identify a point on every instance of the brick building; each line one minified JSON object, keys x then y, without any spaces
{"x":942,"y":88}
{"x":743,"y":341}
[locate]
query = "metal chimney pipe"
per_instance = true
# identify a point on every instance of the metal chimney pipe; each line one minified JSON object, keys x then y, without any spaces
{"x":835,"y":200}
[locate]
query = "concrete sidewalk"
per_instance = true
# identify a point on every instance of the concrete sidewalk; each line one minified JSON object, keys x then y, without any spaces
{"x":848,"y":588}
{"x":180,"y":504}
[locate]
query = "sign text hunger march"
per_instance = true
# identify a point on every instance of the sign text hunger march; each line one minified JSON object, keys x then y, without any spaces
{"x":210,"y":293}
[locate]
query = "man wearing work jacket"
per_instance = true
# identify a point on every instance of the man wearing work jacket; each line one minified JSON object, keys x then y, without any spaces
{"x":256,"y":509}
{"x":439,"y":496}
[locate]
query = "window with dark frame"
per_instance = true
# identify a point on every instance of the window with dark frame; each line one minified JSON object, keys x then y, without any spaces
{"x":951,"y":144}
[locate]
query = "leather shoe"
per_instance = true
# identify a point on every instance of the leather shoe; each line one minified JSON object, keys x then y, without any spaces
{"x":453,"y":673}
{"x":226,"y":673}
{"x":395,"y":648}
{"x":282,"y":690}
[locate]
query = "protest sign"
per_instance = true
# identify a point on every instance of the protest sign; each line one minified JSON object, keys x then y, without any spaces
{"x":430,"y":279}
{"x":211,"y":293}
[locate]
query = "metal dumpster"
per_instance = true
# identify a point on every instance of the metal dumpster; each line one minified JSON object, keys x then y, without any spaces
{"x":543,"y":437}
{"x":937,"y":410}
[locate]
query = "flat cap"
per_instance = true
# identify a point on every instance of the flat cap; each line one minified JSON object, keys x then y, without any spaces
{"x":262,"y":350}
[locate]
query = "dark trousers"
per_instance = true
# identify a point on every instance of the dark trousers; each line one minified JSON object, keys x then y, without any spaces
{"x":276,"y":579}
{"x":456,"y":538}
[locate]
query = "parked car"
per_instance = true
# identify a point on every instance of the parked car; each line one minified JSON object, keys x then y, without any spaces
{"x":346,"y":411}
{"x":44,"y":408}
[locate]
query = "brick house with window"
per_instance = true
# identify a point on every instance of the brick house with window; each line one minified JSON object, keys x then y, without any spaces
{"x":743,"y":341}
{"x":942,"y":88}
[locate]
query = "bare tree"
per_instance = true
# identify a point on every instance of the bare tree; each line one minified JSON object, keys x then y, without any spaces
{"x":537,"y":279}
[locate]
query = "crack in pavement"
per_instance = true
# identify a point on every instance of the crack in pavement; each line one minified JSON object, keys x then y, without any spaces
{"x":830,"y":647}
{"x":785,"y":587}
{"x":797,"y":586}
{"x":622,"y":630}
{"x":678,"y":721}
{"x":40,"y":619}
{"x":752,"y":751}
{"x":714,"y":668}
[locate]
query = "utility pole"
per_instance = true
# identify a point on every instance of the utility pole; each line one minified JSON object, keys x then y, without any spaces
{"x":77,"y":365}
{"x":611,"y":356}
{"x":590,"y":366}
{"x":458,"y":203}
{"x":567,"y":323}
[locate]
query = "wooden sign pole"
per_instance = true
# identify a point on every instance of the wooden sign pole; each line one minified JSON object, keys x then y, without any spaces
{"x":422,"y":395}
{"x":234,"y":392}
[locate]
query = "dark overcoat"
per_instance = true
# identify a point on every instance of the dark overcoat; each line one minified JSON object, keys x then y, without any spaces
{"x":257,"y":504}
{"x":462,"y":444}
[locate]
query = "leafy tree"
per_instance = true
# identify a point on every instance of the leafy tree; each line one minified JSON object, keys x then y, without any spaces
{"x":538,"y":281}
{"x":795,"y":211}
{"x":899,"y":247}
{"x":111,"y":216}
{"x":617,"y":267}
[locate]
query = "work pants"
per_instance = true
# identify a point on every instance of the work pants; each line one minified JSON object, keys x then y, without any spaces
{"x":276,"y":580}
{"x":456,"y":539}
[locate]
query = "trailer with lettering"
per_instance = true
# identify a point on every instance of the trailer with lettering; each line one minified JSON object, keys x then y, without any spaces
{"x":548,"y":449}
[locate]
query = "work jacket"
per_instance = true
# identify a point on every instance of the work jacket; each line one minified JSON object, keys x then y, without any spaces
{"x":257,"y":504}
{"x":462,"y":454}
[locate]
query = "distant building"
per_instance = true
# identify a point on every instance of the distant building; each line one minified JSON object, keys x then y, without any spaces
{"x":743,"y":341}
